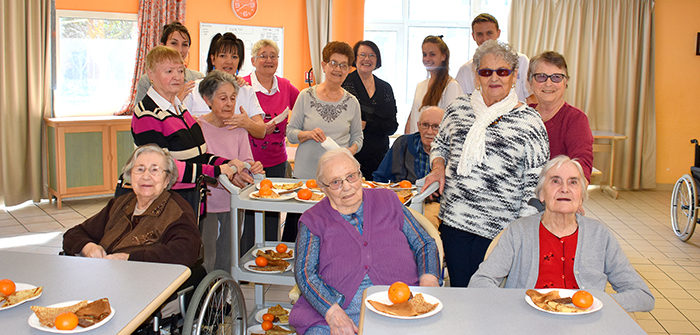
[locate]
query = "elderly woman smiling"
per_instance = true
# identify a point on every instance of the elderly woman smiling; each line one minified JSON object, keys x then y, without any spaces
{"x":152,"y":224}
{"x":486,"y":156}
{"x":354,"y":238}
{"x":561,"y":249}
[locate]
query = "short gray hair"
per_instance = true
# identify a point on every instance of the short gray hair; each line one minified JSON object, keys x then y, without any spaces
{"x":170,"y":169}
{"x":330,"y":157}
{"x":496,"y":48}
{"x":213,"y":81}
{"x":556,"y":163}
{"x":264,"y":43}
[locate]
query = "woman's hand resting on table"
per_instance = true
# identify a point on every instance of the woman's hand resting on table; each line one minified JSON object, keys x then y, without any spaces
{"x":93,"y":250}
{"x":340,"y":322}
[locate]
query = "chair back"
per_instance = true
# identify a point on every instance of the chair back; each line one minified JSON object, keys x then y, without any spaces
{"x":430,"y":228}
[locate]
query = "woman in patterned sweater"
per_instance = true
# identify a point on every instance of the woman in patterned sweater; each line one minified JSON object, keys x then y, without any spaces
{"x":487,"y":158}
{"x":162,"y":119}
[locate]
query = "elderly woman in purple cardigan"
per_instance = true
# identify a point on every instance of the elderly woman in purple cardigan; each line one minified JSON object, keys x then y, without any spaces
{"x":352,"y":239}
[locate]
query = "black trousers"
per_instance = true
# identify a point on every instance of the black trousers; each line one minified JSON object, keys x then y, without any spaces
{"x":464,"y":252}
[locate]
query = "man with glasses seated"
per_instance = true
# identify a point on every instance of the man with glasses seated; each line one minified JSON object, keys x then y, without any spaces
{"x":484,"y":28}
{"x":409,"y":157}
{"x":352,"y":239}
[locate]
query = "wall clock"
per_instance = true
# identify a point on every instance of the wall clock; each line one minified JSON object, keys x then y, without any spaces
{"x":244,"y":9}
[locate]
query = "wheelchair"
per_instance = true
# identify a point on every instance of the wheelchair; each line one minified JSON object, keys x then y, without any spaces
{"x":685,"y":212}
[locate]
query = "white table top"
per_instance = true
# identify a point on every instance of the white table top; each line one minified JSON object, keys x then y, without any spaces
{"x":497,"y":311}
{"x":134,"y":289}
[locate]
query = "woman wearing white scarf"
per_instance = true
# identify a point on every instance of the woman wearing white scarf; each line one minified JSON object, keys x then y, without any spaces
{"x":487,"y":158}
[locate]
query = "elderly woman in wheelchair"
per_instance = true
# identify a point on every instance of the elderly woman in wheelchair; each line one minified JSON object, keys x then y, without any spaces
{"x":559,"y":248}
{"x":350,"y":240}
{"x":152,"y":224}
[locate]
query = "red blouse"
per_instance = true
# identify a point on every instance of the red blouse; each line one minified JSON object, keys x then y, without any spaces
{"x":557,"y":260}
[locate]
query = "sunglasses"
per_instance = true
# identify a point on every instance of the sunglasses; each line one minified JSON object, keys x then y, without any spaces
{"x":555,"y":77}
{"x":489,"y":72}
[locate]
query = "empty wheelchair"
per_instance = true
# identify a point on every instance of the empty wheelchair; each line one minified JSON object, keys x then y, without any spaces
{"x":217,"y":307}
{"x":684,"y":200}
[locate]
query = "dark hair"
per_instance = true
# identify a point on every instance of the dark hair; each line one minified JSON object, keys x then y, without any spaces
{"x":484,"y":17}
{"x":226,"y":43}
{"x":172,"y":27}
{"x":372,"y":46}
{"x":337,"y":47}
{"x":550,"y":57}
{"x":442,"y":76}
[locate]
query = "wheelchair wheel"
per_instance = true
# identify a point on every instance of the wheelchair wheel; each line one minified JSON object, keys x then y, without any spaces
{"x":217,"y":307}
{"x":684,"y":202}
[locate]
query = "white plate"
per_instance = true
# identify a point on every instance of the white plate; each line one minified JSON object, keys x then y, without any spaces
{"x":255,"y":252}
{"x":21,"y":287}
{"x":564,"y":293}
{"x":257,"y":186}
{"x":282,"y":197}
{"x":258,"y":329}
{"x":386,"y":186}
{"x":296,"y":197}
{"x":383,"y":297}
{"x":248,"y":265}
{"x":34,"y":321}
{"x":259,"y":315}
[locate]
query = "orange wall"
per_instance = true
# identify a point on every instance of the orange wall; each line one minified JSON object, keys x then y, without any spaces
{"x":348,"y":24}
{"x":677,"y":86}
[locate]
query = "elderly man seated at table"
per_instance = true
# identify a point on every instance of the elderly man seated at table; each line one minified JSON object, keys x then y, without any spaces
{"x":561,"y":249}
{"x":352,"y":239}
{"x":152,"y":224}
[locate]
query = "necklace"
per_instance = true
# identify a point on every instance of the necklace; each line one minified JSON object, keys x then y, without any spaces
{"x":325,"y":92}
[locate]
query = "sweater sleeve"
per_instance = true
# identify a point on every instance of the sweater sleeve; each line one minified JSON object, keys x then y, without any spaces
{"x":440,"y":148}
{"x":633,"y":294}
{"x":91,"y":230}
{"x":535,"y":157}
{"x":579,"y":142}
{"x":423,"y":246}
{"x":497,"y":266}
{"x":296,"y":120}
{"x":356,"y":136}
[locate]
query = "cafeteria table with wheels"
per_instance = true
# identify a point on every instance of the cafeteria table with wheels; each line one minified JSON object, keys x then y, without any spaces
{"x":134,"y":289}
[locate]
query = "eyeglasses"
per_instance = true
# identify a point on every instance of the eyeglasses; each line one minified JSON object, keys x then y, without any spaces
{"x":265,"y":56}
{"x":555,"y":77}
{"x":364,"y":55}
{"x":343,"y":66}
{"x":500,"y":72}
{"x":338,"y":183}
{"x":154,"y":170}
{"x":425,"y":126}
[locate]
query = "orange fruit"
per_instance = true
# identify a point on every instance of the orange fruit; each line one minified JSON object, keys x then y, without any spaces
{"x":281,"y":248}
{"x":7,"y":287}
{"x":399,"y":292}
{"x":267,"y":325}
{"x":66,"y":321}
{"x":311,"y":183}
{"x":304,"y":194}
{"x":405,"y":184}
{"x":402,"y":199}
{"x":265,"y":191}
{"x":268,"y":317}
{"x":261,"y":261}
{"x":582,"y":299}
{"x":266,"y":182}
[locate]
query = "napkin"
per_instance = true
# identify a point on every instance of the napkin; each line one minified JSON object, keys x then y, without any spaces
{"x":329,"y":144}
{"x":281,"y":117}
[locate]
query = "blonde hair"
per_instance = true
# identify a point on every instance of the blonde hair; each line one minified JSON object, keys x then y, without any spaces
{"x":160,"y":54}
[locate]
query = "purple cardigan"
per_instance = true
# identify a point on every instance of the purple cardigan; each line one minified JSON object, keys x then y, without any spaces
{"x":382,"y":251}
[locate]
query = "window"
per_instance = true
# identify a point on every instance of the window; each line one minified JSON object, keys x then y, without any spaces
{"x":95,"y":59}
{"x":398,"y":27}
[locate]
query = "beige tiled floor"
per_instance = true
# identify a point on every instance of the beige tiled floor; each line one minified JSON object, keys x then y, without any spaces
{"x":639,"y":219}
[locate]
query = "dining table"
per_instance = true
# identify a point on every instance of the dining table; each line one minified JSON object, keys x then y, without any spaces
{"x":496,"y":311}
{"x":604,"y":141}
{"x":134,"y":289}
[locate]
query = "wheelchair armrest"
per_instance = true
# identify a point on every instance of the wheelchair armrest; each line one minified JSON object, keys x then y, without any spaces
{"x":181,"y":299}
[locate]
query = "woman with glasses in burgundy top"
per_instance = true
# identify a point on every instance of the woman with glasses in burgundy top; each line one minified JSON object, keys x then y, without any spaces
{"x":567,"y":126}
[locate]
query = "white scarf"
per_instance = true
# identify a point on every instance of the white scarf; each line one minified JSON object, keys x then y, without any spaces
{"x":474,"y":148}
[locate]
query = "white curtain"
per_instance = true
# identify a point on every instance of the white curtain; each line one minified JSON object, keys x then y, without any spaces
{"x":609,"y":49}
{"x":318,"y":17}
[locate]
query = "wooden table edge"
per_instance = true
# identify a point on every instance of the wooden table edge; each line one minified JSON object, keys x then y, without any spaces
{"x":159,"y":300}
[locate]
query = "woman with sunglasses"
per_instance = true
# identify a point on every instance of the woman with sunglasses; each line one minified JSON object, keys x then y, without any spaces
{"x":352,"y":239}
{"x":377,"y":103}
{"x":487,"y":158}
{"x":439,"y":89}
{"x":567,"y":126}
{"x":324,"y":114}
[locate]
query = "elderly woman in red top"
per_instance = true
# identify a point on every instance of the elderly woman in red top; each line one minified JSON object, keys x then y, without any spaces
{"x":342,"y":246}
